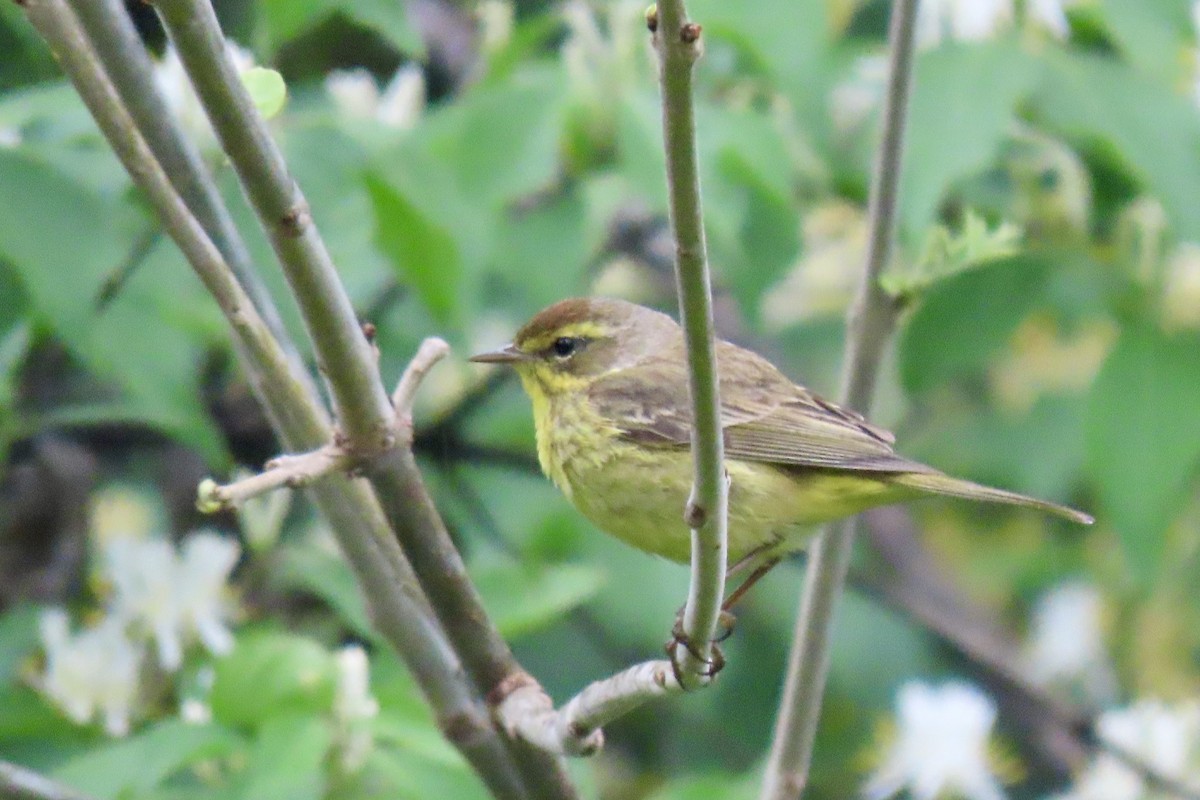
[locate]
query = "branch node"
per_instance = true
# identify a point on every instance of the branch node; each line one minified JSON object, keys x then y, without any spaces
{"x":297,"y":219}
{"x":695,"y":515}
{"x":652,"y":18}
{"x":690,"y":33}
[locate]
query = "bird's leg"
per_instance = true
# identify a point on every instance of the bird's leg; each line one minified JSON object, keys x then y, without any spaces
{"x":751,"y":579}
{"x":714,"y":663}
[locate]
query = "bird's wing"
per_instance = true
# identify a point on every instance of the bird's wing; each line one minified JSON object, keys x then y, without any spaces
{"x":765,"y":417}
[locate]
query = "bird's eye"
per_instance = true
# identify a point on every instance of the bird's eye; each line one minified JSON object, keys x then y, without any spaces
{"x":565,"y":346}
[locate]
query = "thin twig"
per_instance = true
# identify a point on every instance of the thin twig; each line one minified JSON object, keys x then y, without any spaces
{"x":576,"y":728}
{"x":431,"y":351}
{"x":871,"y":321}
{"x":678,"y":44}
{"x":395,"y":601}
{"x":287,"y":471}
{"x":19,"y":783}
{"x":345,"y":358}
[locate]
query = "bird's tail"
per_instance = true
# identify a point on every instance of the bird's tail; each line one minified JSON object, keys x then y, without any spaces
{"x":938,"y":483}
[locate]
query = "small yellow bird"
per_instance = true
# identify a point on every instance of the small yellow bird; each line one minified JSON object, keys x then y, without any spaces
{"x":609,"y":385}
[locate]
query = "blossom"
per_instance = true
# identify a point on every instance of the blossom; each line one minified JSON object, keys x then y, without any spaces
{"x":174,"y":597}
{"x":181,"y":99}
{"x":1066,"y":643}
{"x":399,"y":106}
{"x":941,"y":746}
{"x":963,"y":20}
{"x":353,"y":707}
{"x":853,"y":101}
{"x":1165,"y":738}
{"x":93,"y":671}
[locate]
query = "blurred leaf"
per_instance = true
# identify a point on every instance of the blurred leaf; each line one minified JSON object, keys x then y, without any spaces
{"x":410,"y":775}
{"x":145,"y":759}
{"x":1152,"y":34}
{"x":286,"y":759}
{"x":420,"y":248}
{"x":270,"y":673}
{"x":501,"y":141}
{"x":545,"y":249}
{"x":963,"y":105}
{"x":710,"y":787}
{"x":29,"y":717}
{"x":521,"y":599}
{"x":18,"y":638}
{"x":53,"y":228}
{"x":783,"y":38}
{"x":947,"y":252}
{"x":267,"y":90}
{"x":283,"y":20}
{"x":640,"y":149}
{"x":1143,"y":438}
{"x":1154,"y":130}
{"x":328,"y":577}
{"x":965,"y":318}
{"x":329,"y":166}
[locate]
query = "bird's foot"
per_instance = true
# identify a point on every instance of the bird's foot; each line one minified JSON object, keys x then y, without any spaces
{"x":679,"y":638}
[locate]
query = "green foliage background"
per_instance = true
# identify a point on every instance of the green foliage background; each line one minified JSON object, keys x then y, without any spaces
{"x":1058,"y":356}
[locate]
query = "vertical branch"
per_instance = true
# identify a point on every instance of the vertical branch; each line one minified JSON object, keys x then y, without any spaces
{"x":870,"y":321}
{"x":678,"y":44}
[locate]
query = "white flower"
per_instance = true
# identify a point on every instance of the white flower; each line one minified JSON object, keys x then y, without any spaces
{"x":1066,"y":643}
{"x":174,"y":597}
{"x":495,"y":23}
{"x":96,"y":670}
{"x":941,"y":746}
{"x":9,"y":137}
{"x":1165,"y":738}
{"x":399,"y":106}
{"x":1181,"y":287}
{"x":353,"y":707}
{"x":963,"y":20}
{"x":181,"y":98}
{"x":1050,"y":15}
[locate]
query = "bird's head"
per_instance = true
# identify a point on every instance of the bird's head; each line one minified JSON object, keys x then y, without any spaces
{"x":568,"y":345}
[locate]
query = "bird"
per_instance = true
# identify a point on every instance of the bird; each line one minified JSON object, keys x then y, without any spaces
{"x":608,"y":382}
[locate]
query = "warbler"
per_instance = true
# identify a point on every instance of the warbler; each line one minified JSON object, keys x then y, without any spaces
{"x":608,"y":381}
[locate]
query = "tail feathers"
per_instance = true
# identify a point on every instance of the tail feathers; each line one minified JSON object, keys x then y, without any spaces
{"x":937,"y":483}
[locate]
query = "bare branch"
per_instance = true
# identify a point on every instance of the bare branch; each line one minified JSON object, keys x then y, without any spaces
{"x":431,"y":351}
{"x":576,"y":728}
{"x":289,"y":471}
{"x":871,"y":321}
{"x":395,"y":599}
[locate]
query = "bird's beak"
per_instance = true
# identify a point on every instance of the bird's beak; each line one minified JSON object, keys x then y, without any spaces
{"x":508,"y":354}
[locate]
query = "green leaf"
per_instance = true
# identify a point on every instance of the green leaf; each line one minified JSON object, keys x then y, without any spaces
{"x":521,"y":599}
{"x":141,"y":762}
{"x":286,"y":759}
{"x":420,"y":248}
{"x":962,"y":108}
{"x":501,"y":141}
{"x":544,"y":250}
{"x":267,"y":90}
{"x":270,"y":673}
{"x":947,"y":252}
{"x":1143,"y":438}
{"x":328,"y":577}
{"x":283,"y":20}
{"x":18,"y":638}
{"x":966,"y":318}
{"x":65,"y":243}
{"x":1154,"y":131}
{"x":1152,"y":34}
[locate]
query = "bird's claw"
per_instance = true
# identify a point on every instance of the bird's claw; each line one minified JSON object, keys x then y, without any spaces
{"x":716,"y":660}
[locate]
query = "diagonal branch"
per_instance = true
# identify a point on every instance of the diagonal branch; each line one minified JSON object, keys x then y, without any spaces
{"x":18,"y":783}
{"x":396,"y":603}
{"x":345,"y":358}
{"x":871,"y":321}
